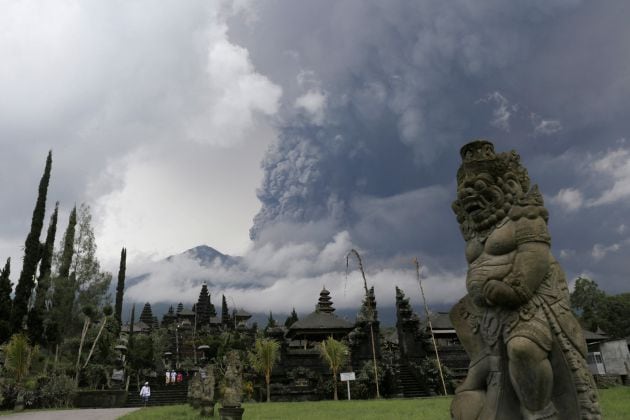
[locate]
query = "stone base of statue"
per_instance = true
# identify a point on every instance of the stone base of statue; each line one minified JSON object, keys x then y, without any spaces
{"x":231,"y":413}
{"x":207,"y":409}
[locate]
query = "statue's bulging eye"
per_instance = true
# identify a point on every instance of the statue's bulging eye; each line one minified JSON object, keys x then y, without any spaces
{"x":480,"y":185}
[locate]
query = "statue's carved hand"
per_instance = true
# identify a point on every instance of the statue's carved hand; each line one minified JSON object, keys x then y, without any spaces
{"x":498,"y":293}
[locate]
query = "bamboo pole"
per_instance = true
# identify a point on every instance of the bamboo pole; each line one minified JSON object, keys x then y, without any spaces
{"x":356,"y":254}
{"x":95,"y":341}
{"x":86,"y":325}
{"x":426,"y":311}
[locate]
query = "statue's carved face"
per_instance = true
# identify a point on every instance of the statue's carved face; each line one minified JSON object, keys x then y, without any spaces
{"x":479,"y":197}
{"x":483,"y":200}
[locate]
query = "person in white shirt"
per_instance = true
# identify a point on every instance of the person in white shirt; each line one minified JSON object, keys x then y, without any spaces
{"x":145,"y":393}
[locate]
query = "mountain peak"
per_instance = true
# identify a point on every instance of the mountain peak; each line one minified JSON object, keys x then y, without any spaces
{"x":206,"y":255}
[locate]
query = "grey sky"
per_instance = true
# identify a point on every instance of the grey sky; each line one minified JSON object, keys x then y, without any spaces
{"x":336,"y":124}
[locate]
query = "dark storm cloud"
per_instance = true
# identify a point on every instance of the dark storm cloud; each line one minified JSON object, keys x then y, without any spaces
{"x":402,"y":85}
{"x":158,"y":116}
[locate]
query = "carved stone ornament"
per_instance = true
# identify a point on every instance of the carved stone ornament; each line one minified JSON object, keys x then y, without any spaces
{"x":527,"y":351}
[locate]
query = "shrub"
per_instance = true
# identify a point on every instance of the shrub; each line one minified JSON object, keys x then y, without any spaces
{"x":8,"y":394}
{"x":58,"y":391}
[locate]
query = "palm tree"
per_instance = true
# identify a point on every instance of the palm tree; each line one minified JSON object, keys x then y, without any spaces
{"x":263,"y":358}
{"x":335,"y":353}
{"x":19,"y":355}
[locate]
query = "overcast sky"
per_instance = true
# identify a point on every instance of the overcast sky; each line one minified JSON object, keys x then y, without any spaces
{"x":289,"y":132}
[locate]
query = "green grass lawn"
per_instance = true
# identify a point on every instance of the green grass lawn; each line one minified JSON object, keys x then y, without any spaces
{"x":615,"y":405}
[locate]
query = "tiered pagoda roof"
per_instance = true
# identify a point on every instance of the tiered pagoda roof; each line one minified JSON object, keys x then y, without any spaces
{"x":322,"y":320}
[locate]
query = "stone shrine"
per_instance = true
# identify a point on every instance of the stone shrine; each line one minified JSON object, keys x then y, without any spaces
{"x":527,"y":351}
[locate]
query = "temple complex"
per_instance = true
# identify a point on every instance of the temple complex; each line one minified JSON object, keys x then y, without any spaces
{"x":198,"y":334}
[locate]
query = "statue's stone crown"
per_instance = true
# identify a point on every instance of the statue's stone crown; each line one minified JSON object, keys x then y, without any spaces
{"x":478,"y":150}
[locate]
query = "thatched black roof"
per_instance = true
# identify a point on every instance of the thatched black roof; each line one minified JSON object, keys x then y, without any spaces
{"x":321,"y":321}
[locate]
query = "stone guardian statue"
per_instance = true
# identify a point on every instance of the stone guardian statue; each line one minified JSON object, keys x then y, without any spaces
{"x":527,"y":350}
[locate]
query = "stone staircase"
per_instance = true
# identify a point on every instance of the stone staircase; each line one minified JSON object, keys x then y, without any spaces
{"x":160,"y":395}
{"x":409,"y":386}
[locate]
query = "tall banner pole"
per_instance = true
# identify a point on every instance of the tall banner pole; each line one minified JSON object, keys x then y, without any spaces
{"x":371,"y":310}
{"x":426,"y":311}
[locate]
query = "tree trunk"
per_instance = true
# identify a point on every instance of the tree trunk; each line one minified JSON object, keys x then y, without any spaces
{"x":268,"y":380}
{"x":335,"y":386}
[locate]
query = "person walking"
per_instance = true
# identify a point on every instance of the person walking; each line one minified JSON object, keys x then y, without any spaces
{"x":167,"y":376}
{"x":145,"y":393}
{"x":173,"y":376}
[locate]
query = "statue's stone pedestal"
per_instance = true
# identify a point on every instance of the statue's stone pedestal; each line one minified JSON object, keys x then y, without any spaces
{"x":231,"y":413}
{"x":207,"y":409}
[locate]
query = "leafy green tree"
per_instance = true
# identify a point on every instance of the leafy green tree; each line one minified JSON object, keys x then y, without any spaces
{"x":291,"y":319}
{"x":335,"y":353}
{"x":141,"y":355}
{"x":615,"y":315}
{"x":587,"y":301}
{"x":5,"y":301}
{"x":161,"y":340}
{"x":32,"y":253}
{"x":92,"y":285}
{"x":37,"y":315}
{"x":120,"y":287}
{"x":264,"y":357}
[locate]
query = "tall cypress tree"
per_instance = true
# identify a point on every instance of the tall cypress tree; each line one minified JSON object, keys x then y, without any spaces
{"x":47,"y":252}
{"x":68,"y":245}
{"x":291,"y":319}
{"x":132,"y":320}
{"x":32,"y":253}
{"x":5,"y":302}
{"x":120,"y":288}
{"x":63,"y":296}
{"x":225,"y":313}
{"x":36,"y":316}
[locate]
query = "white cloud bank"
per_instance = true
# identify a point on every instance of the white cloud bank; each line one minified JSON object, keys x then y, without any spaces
{"x":614,"y":164}
{"x":155,"y":117}
{"x":290,"y":263}
{"x":610,"y":170}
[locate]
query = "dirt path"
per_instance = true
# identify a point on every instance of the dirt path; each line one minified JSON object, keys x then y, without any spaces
{"x":81,"y":414}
